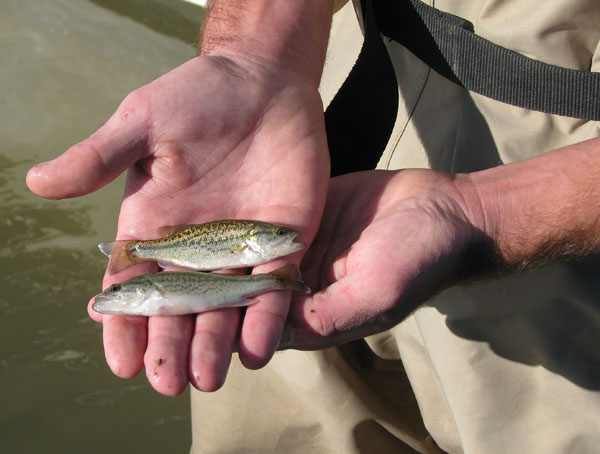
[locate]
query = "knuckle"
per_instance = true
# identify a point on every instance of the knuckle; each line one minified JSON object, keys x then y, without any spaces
{"x":134,"y":105}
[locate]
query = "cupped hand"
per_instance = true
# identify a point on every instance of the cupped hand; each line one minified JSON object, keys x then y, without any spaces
{"x":218,"y":137}
{"x":388,"y":241}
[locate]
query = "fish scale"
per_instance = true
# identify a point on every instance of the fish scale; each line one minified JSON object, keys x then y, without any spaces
{"x":210,"y":246}
{"x":179,"y":293}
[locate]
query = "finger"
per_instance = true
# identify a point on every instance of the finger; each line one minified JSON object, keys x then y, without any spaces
{"x":125,"y":340}
{"x":125,"y":337}
{"x":349,"y":309}
{"x":166,"y":357}
{"x":211,"y":348}
{"x":96,"y":161}
{"x":263,"y":323}
{"x":212,"y":344}
{"x":96,"y":316}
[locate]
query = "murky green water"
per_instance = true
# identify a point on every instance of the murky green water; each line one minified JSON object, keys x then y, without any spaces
{"x":65,"y":66}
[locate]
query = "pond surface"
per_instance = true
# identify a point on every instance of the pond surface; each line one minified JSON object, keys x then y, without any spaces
{"x":66,"y":65}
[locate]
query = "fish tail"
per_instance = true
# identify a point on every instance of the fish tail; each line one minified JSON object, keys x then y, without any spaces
{"x":119,"y":254}
{"x":288,"y":277}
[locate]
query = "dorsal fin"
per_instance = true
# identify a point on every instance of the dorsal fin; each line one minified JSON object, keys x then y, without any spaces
{"x":170,"y":230}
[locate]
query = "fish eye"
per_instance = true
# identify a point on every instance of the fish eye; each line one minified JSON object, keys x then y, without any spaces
{"x":280,"y":232}
{"x":114,"y":288}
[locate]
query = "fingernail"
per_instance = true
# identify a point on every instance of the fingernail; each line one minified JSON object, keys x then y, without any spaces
{"x":36,"y":171}
{"x":42,"y":164}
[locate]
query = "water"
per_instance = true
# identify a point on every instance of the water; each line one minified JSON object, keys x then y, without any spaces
{"x":65,"y":66}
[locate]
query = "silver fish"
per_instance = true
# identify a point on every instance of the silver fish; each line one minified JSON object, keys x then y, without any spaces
{"x":178,"y":293}
{"x":204,"y":247}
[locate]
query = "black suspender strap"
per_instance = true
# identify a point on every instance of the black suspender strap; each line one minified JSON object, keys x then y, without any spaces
{"x":360,"y":118}
{"x":448,"y":44}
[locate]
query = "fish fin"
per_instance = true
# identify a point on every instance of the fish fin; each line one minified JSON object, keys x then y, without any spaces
{"x":118,"y":252}
{"x":106,"y":247}
{"x":158,"y":289}
{"x":164,"y":264}
{"x":289,"y":278}
{"x":169,"y":230}
{"x":240,"y":303}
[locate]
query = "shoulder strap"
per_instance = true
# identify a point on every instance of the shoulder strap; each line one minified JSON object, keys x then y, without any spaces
{"x":360,"y":118}
{"x":449,"y":45}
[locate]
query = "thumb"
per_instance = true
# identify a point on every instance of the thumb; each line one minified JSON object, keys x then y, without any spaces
{"x":356,"y":306}
{"x":96,"y":161}
{"x":333,"y":316}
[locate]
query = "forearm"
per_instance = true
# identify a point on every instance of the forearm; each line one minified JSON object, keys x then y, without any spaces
{"x":292,"y":34}
{"x":539,"y":210}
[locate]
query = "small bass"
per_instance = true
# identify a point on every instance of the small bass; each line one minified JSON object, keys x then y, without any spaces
{"x":178,"y":293}
{"x":204,"y":247}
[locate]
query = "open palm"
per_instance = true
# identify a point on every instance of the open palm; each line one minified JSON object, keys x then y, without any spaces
{"x":216,"y":138}
{"x":388,"y":241}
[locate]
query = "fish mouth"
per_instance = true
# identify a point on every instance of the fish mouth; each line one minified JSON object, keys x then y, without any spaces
{"x":289,"y":245}
{"x":104,"y":305}
{"x":293,"y":238}
{"x":294,"y":246}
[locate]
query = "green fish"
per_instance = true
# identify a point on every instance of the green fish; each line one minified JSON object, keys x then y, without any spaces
{"x":204,"y":247}
{"x":178,"y":293}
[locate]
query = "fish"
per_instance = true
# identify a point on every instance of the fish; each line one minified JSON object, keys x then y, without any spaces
{"x":190,"y":292}
{"x":206,"y":247}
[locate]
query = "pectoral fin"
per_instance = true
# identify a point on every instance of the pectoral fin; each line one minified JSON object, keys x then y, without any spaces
{"x":166,"y":265}
{"x":154,"y":291}
{"x":240,"y":303}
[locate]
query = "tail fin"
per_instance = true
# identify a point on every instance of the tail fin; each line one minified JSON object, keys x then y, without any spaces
{"x":118,"y":252}
{"x":289,"y":278}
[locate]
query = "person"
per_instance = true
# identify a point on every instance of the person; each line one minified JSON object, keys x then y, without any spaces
{"x":388,"y":354}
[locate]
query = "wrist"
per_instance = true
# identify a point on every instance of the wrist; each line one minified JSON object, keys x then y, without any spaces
{"x":535,"y":211}
{"x":481,"y":207}
{"x":481,"y":255}
{"x":287,"y":34}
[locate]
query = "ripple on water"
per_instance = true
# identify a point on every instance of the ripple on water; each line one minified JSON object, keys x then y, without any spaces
{"x":43,"y":303}
{"x":107,"y":397}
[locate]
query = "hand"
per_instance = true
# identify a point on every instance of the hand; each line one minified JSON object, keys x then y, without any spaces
{"x":387,"y":242}
{"x":219,"y":137}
